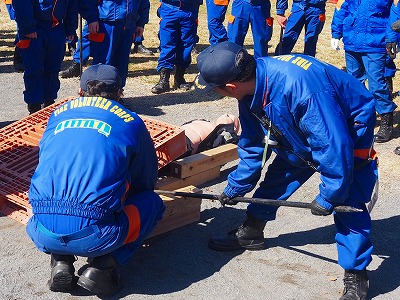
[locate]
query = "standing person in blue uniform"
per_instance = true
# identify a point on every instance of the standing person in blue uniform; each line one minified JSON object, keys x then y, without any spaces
{"x":258,"y":14}
{"x":364,"y":27}
{"x":42,"y":29}
{"x":178,"y":34}
{"x":283,"y":107}
{"x":309,"y":14}
{"x":112,"y":27}
{"x":216,"y":11}
{"x":100,"y":202}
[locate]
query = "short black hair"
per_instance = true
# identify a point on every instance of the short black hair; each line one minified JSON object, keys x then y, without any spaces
{"x":247,"y":65}
{"x":96,"y":88}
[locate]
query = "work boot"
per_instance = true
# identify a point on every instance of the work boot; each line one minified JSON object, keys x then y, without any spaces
{"x":71,"y":49}
{"x":17,"y":61}
{"x":355,"y":285}
{"x":249,"y":236}
{"x":101,"y":277}
{"x":397,"y":150}
{"x":139,"y":48}
{"x":62,"y":273}
{"x":179,"y":79}
{"x":48,"y":103}
{"x":32,"y":108}
{"x":73,"y":70}
{"x":163,"y":84}
{"x":389,"y":82}
{"x":385,"y":130}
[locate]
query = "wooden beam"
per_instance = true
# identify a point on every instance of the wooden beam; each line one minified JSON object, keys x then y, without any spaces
{"x":204,"y":161}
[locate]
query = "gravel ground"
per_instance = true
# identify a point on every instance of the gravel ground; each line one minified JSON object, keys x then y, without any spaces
{"x":299,"y":262}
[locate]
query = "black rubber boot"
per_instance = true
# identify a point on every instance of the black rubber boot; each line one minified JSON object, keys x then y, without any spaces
{"x":72,"y":71}
{"x":355,"y":285}
{"x":48,"y":103}
{"x":139,"y":48}
{"x":62,"y":273}
{"x":385,"y":130}
{"x":249,"y":236}
{"x":163,"y":84}
{"x":101,"y":277}
{"x":389,"y":82}
{"x":179,"y":79}
{"x":32,"y":108}
{"x":17,"y":61}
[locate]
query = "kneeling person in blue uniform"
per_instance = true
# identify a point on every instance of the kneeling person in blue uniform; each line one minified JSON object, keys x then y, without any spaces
{"x":323,"y":125}
{"x":92,"y":193}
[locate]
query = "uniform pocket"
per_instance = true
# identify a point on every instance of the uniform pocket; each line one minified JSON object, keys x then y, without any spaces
{"x":221,"y":2}
{"x":231,"y":19}
{"x":23,"y":44}
{"x":96,"y":37}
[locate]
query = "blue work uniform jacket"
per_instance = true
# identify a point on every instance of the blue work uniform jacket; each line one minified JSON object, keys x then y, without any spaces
{"x":191,"y":5}
{"x":394,"y":16}
{"x":124,"y":13}
{"x":363,"y":25}
{"x":92,"y":154}
{"x":30,"y":12}
{"x":282,"y":5}
{"x":321,"y":115}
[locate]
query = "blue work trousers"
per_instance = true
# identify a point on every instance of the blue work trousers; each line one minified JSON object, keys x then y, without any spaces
{"x":352,"y":238}
{"x":216,"y":10}
{"x":85,"y":46}
{"x":178,"y":32}
{"x":371,"y":66}
{"x":42,"y":58}
{"x":312,"y":19}
{"x":257,"y":14}
{"x":112,"y":46}
{"x":105,"y":237}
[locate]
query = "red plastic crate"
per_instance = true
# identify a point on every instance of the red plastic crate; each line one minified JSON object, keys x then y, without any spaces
{"x":19,"y":156}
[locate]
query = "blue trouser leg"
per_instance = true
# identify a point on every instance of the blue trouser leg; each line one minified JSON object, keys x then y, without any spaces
{"x":353,"y":229}
{"x":260,"y":28}
{"x":390,"y":67}
{"x":169,"y":35}
{"x":151,"y":209}
{"x":238,"y":27}
{"x":215,"y":17}
{"x":314,"y":23}
{"x":294,"y":25}
{"x":115,"y":49}
{"x":139,"y":39}
{"x":188,"y":30}
{"x":85,"y":46}
{"x":42,"y":61}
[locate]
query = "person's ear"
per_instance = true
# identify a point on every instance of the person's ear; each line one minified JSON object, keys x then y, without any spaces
{"x":231,"y":85}
{"x":80,"y":92}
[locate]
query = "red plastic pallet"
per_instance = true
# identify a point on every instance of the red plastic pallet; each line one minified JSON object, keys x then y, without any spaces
{"x":19,"y":156}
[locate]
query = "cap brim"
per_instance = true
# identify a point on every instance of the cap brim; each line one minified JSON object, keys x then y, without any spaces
{"x":201,"y":85}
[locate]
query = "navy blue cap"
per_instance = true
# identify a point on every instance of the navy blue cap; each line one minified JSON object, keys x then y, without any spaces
{"x":217,"y":65}
{"x":104,"y":73}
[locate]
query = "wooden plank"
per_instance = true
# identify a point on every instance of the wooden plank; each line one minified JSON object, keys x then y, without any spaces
{"x":172,"y":183}
{"x":201,"y":162}
{"x":179,"y":211}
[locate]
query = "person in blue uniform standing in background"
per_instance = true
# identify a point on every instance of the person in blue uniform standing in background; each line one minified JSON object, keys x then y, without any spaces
{"x":364,"y":27}
{"x":178,"y":36}
{"x":100,"y":201}
{"x":309,"y":14}
{"x":42,"y":29}
{"x":112,"y":27}
{"x":258,"y":14}
{"x":286,"y":104}
{"x":216,"y":11}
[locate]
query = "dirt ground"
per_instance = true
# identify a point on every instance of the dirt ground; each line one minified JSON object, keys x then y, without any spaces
{"x":300,"y":259}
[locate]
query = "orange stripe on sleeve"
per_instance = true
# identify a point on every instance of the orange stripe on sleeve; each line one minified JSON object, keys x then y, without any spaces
{"x":134,"y":223}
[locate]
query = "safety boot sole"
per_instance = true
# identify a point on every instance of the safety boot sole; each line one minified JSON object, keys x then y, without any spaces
{"x":61,"y":279}
{"x":253,"y":245}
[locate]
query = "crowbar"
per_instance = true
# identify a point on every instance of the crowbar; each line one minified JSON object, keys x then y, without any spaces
{"x":342,"y":209}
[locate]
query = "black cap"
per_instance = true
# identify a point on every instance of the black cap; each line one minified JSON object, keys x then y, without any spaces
{"x":217,"y":65}
{"x":104,"y":73}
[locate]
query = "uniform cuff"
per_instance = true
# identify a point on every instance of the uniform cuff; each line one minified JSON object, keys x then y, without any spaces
{"x":324,"y":203}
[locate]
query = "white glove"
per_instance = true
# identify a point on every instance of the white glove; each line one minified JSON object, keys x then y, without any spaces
{"x":335,"y":44}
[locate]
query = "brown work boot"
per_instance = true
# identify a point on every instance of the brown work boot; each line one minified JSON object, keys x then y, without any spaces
{"x":248,"y":236}
{"x":355,"y":285}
